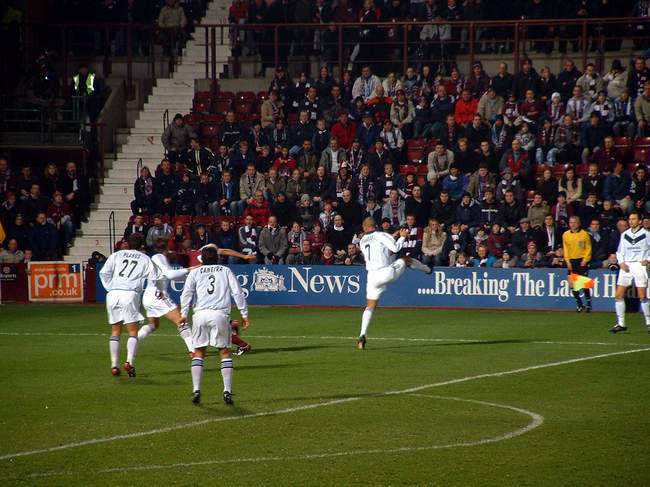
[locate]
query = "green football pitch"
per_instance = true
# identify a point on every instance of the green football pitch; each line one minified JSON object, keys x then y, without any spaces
{"x":444,"y":398}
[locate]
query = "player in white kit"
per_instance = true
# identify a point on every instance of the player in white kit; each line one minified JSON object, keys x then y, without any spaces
{"x":208,"y":290}
{"x":158,"y":303}
{"x":123,"y":277}
{"x":379,"y":250}
{"x":632,"y":255}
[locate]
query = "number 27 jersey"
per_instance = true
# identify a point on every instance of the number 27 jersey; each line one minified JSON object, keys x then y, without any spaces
{"x":379,"y":249}
{"x":127,"y":270}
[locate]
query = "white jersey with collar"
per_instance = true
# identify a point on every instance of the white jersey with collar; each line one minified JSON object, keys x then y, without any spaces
{"x":634,"y":246}
{"x":379,"y":249}
{"x":127,"y":270}
{"x":212,"y":287}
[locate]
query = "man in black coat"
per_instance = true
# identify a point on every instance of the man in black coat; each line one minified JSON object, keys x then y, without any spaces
{"x":444,"y":209}
{"x":198,"y":159}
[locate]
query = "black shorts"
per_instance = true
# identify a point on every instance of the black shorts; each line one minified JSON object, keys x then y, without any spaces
{"x":578,"y":268}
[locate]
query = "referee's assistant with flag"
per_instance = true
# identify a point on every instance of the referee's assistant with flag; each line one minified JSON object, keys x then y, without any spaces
{"x":576,"y":244}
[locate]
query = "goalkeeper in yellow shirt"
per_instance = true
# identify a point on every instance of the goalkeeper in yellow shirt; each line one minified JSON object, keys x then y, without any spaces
{"x":577,"y":253}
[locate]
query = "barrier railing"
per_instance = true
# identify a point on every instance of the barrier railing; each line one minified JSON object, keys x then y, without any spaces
{"x":138,"y":168}
{"x":112,"y":235}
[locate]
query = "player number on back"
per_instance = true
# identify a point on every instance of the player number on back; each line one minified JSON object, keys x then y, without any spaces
{"x":367,"y":246}
{"x":211,"y":288}
{"x":125,"y":264}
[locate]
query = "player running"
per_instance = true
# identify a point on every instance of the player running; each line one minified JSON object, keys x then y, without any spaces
{"x":208,"y":290}
{"x":123,"y":276}
{"x":379,"y":251}
{"x":632,"y":255}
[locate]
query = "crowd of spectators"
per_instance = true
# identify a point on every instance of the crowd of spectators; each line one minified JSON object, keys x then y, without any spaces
{"x":482,"y":170}
{"x":440,"y":41}
{"x":39,"y":211}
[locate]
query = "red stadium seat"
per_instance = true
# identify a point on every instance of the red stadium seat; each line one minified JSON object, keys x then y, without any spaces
{"x":529,"y":196}
{"x":213,"y":118}
{"x":582,"y":169}
{"x":560,"y":169}
{"x":248,"y":96}
{"x":202,"y":95}
{"x":419,"y":143}
{"x":184,"y":220}
{"x":422,"y":170}
{"x":642,"y":142}
{"x":243,"y":107}
{"x":622,"y":142}
{"x":222,"y":106}
{"x":407,"y":169}
{"x":225,"y":95}
{"x":262,"y":95}
{"x":202,"y":106}
{"x":206,"y":220}
{"x":210,"y":131}
{"x":292,"y":118}
{"x":229,"y":219}
{"x":540,"y":169}
{"x":641,"y":154}
{"x":193,"y":120}
{"x":415,"y":154}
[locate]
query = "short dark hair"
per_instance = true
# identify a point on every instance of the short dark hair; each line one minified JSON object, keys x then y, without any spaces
{"x":136,"y":241}
{"x":210,"y":256}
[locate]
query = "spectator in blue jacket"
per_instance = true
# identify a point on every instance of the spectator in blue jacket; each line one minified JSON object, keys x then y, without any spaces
{"x":455,"y":183}
{"x":467,"y":213}
{"x":483,"y":257}
{"x":44,"y":239}
{"x":367,"y":131}
{"x":617,"y":187}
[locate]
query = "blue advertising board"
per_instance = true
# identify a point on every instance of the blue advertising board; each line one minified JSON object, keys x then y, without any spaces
{"x":446,"y":287}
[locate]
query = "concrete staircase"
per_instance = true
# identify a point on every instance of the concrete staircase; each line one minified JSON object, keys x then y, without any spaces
{"x":143,"y":140}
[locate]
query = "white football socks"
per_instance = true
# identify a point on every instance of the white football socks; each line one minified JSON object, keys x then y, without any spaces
{"x":197,"y":372}
{"x":131,"y":349}
{"x":186,"y":334}
{"x":619,"y":304}
{"x":419,"y":266}
{"x":145,"y":331}
{"x":226,"y":374}
{"x":365,"y":321}
{"x":114,"y":347}
{"x":645,"y":308}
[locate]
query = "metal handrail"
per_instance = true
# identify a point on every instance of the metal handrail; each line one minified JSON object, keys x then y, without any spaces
{"x":165,"y":121}
{"x":111,"y":232}
{"x":138,"y":168}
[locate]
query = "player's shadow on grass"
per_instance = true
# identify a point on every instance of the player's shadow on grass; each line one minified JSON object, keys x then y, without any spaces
{"x":455,"y":344}
{"x":301,"y":348}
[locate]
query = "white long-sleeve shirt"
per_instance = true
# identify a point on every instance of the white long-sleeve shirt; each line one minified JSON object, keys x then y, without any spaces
{"x":379,"y":249}
{"x":634,"y":246}
{"x":127,"y":270}
{"x":211,"y":287}
{"x":167,"y":273}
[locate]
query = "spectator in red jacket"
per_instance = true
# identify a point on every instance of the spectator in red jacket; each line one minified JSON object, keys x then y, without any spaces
{"x":466,"y":108}
{"x":344,"y":130}
{"x":259,"y":209}
{"x":59,"y":213}
{"x":180,"y":240}
{"x":284,"y":164}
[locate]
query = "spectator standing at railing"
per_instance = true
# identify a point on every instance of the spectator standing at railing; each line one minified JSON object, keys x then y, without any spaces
{"x":143,"y":189}
{"x":11,"y":254}
{"x":176,"y":138}
{"x":567,"y":79}
{"x":74,"y":187}
{"x":86,"y":85}
{"x":526,"y":79}
{"x":197,"y":158}
{"x":271,"y":110}
{"x":637,"y":77}
{"x":642,"y":111}
{"x":173,"y":22}
{"x":137,"y":226}
{"x":366,"y":84}
{"x":165,"y":187}
{"x":34,"y":204}
{"x":60,"y":215}
{"x":273,"y":242}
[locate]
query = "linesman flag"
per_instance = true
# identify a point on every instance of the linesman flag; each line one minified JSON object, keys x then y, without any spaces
{"x":580,"y":282}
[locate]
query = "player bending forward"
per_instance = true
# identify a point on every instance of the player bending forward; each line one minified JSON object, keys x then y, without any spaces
{"x":633,"y":254}
{"x":209,"y":289}
{"x":123,"y":276}
{"x":379,"y":251}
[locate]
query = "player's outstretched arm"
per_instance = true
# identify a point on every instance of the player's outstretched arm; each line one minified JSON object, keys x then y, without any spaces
{"x":239,"y":255}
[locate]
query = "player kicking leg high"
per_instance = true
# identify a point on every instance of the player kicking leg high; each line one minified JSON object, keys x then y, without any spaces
{"x":379,"y":250}
{"x":122,"y":276}
{"x":208,"y":290}
{"x":633,"y":254}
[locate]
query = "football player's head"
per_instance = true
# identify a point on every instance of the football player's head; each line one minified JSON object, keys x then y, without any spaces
{"x":209,"y":254}
{"x":369,"y":225}
{"x":136,"y":241}
{"x":634,"y":219}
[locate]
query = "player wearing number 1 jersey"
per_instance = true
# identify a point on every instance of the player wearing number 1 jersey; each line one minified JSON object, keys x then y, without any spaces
{"x":123,"y":277}
{"x":380,"y":252}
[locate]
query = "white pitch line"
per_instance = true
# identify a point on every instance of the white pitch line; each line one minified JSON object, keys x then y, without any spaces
{"x":313,"y":337}
{"x":536,"y":421}
{"x":305,"y":407}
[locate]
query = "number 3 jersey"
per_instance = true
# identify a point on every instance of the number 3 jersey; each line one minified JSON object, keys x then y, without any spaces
{"x":127,"y":270}
{"x":211,"y":287}
{"x":379,"y":249}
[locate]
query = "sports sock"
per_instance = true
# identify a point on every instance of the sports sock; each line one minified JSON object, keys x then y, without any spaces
{"x":365,"y":321}
{"x":645,"y":308}
{"x":114,"y":347}
{"x":131,"y":349}
{"x":419,"y":266}
{"x":145,"y":331}
{"x":576,"y":294}
{"x":197,"y":372}
{"x":620,"y":311}
{"x":226,"y":374}
{"x":588,"y":297}
{"x":237,"y":340}
{"x":186,"y":334}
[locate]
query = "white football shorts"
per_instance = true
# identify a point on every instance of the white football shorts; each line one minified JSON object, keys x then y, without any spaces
{"x":123,"y":306}
{"x":154,"y":306}
{"x":379,"y":279}
{"x":638,"y":274}
{"x":210,"y":327}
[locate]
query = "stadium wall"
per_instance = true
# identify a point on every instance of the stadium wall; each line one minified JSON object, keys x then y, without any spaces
{"x":444,"y":288}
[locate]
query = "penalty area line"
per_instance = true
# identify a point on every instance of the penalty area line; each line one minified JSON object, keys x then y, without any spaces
{"x":410,"y":390}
